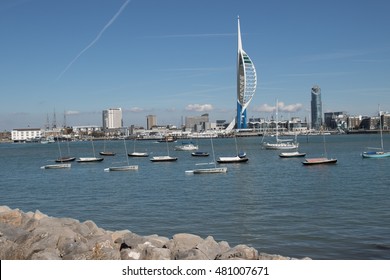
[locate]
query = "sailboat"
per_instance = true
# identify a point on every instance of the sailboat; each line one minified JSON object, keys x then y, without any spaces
{"x":90,"y":159}
{"x":281,"y":144}
{"x":137,"y":154}
{"x":65,"y":158}
{"x":212,"y":170}
{"x":57,"y":165}
{"x":106,"y":153}
{"x":320,"y":160}
{"x":239,"y":158}
{"x":127,"y":167}
{"x":164,"y":158}
{"x":379,"y":152}
{"x":291,"y":154}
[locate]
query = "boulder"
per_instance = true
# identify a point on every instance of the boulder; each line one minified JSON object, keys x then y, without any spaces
{"x":239,"y":252}
{"x":182,"y":242}
{"x":36,"y":236}
{"x":210,"y":248}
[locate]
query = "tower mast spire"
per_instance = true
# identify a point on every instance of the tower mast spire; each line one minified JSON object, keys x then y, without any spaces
{"x":239,"y":34}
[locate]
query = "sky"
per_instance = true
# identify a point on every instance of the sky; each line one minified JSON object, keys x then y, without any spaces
{"x":175,"y":58}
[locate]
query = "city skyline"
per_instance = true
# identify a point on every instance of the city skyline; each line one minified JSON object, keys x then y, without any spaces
{"x":174,"y":59}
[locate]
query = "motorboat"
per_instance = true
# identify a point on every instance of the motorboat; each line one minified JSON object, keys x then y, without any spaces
{"x":186,"y":147}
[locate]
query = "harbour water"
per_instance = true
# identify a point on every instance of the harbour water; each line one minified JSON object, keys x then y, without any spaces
{"x":278,"y":206}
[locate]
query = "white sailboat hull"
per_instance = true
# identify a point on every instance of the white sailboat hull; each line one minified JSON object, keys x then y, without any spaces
{"x":89,"y":159}
{"x":163,"y":158}
{"x":210,"y":170}
{"x":122,"y":168}
{"x":138,"y":154}
{"x":235,"y":159}
{"x":281,"y":146}
{"x":56,"y":166}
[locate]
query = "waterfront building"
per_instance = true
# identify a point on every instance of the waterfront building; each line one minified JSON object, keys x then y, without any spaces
{"x":197,"y":123}
{"x":86,"y":129}
{"x":26,"y":134}
{"x":354,"y":122}
{"x":246,"y":82}
{"x":151,"y":121}
{"x":385,"y":121}
{"x":316,"y":107}
{"x":112,"y":118}
{"x":334,"y":120}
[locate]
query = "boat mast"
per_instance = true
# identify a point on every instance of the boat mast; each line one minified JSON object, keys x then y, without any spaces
{"x":124,"y":143}
{"x":212,"y":149}
{"x":277,"y":121}
{"x":380,"y":127}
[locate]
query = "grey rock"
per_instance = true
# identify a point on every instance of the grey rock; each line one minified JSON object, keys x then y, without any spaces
{"x":239,"y":252}
{"x":36,"y":236}
{"x":210,"y":248}
{"x":155,"y":253}
{"x":182,"y":242}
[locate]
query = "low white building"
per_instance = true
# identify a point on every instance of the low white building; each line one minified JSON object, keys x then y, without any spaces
{"x":26,"y":134}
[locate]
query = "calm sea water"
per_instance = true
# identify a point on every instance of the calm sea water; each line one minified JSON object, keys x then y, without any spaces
{"x":278,"y":206}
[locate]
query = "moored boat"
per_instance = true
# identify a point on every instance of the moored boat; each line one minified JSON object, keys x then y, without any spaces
{"x":56,"y":166}
{"x":200,"y":154}
{"x":313,"y":161}
{"x":210,"y":170}
{"x":186,"y":147}
{"x":122,"y":168}
{"x":138,"y":154}
{"x":107,"y":153}
{"x":292,"y":154}
{"x":168,"y":138}
{"x":375,"y":154}
{"x":163,"y":158}
{"x":235,"y":159}
{"x":89,"y":159}
{"x":281,"y":145}
{"x":127,"y":167}
{"x":65,"y":159}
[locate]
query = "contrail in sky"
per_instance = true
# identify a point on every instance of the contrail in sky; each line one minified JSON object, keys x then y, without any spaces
{"x":96,"y":39}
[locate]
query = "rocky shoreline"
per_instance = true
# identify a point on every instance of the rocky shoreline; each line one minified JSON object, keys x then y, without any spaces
{"x":36,"y":236}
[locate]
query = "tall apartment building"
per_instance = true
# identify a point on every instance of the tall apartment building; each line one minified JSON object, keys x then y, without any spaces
{"x":316,"y":107}
{"x":151,"y":120}
{"x":112,"y":118}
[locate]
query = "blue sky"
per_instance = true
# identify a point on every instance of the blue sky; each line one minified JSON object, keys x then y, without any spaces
{"x":175,"y":58}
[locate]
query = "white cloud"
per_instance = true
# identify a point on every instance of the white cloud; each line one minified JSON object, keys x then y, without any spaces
{"x":69,"y":113}
{"x":292,"y":108}
{"x":264,"y":108}
{"x":199,"y":107}
{"x":136,"y":110}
